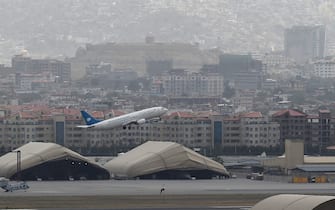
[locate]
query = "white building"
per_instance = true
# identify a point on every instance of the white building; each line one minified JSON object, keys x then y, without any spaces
{"x":275,"y":59}
{"x":244,"y":100}
{"x":324,"y":68}
{"x":250,"y":129}
{"x":183,"y":83}
{"x":257,"y":130}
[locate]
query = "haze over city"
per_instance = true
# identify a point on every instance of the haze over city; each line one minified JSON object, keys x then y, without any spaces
{"x":234,"y":26}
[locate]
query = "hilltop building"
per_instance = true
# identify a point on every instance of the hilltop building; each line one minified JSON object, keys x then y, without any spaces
{"x":148,"y":56}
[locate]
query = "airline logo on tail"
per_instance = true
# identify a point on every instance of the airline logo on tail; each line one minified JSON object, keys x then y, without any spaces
{"x":89,"y":120}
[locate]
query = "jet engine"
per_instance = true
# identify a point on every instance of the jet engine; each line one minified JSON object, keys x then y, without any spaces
{"x":155,"y":119}
{"x":141,"y":121}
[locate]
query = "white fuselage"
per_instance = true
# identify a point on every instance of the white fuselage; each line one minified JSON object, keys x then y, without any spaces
{"x":131,"y":118}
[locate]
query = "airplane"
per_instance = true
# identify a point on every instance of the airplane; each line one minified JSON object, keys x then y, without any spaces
{"x":152,"y":114}
{"x":9,"y":187}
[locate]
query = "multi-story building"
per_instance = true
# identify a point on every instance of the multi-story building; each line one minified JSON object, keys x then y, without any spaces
{"x":7,"y":80}
{"x":324,"y":68}
{"x":269,"y":84}
{"x":248,"y":80}
{"x":192,"y":129}
{"x":182,"y":83}
{"x":251,"y":129}
{"x":244,"y":100}
{"x":59,"y":69}
{"x":292,"y":124}
{"x":29,"y":82}
{"x":293,"y":84}
{"x":316,"y":130}
{"x":303,"y":43}
{"x":257,"y":130}
{"x":157,"y":67}
{"x":98,"y":69}
{"x":320,"y":129}
{"x":231,"y":65}
{"x":275,"y":59}
{"x":22,"y":124}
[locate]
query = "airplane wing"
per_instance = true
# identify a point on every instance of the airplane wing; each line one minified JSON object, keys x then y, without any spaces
{"x":129,"y":122}
{"x":134,"y":121}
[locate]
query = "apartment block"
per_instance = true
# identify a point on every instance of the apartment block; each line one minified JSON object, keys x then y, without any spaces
{"x":316,"y":130}
{"x":324,"y":68}
{"x":182,"y":83}
{"x":292,"y":124}
{"x":320,"y":129}
{"x":23,"y":64}
{"x":257,"y":130}
{"x":250,"y":129}
{"x":244,"y":100}
{"x":23,"y":124}
{"x":275,"y":59}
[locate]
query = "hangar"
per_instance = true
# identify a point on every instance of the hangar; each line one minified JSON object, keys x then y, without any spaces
{"x":164,"y":160}
{"x":49,"y":161}
{"x":292,"y":202}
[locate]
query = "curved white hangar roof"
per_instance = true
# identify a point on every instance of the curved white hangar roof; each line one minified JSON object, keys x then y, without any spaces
{"x":49,"y":161}
{"x":155,"y":159}
{"x":293,"y":202}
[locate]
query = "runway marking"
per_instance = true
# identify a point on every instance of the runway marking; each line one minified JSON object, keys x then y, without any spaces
{"x":45,"y":191}
{"x":231,"y":207}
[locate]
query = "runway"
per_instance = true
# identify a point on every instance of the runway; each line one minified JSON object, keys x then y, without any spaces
{"x":228,"y":194}
{"x":172,"y":187}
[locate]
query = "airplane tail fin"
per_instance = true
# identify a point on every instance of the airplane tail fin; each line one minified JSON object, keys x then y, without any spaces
{"x":89,"y":120}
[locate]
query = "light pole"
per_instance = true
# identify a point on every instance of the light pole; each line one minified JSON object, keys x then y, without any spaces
{"x":18,"y":164}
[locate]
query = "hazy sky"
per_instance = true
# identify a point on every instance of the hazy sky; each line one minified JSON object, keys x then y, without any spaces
{"x":58,"y":27}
